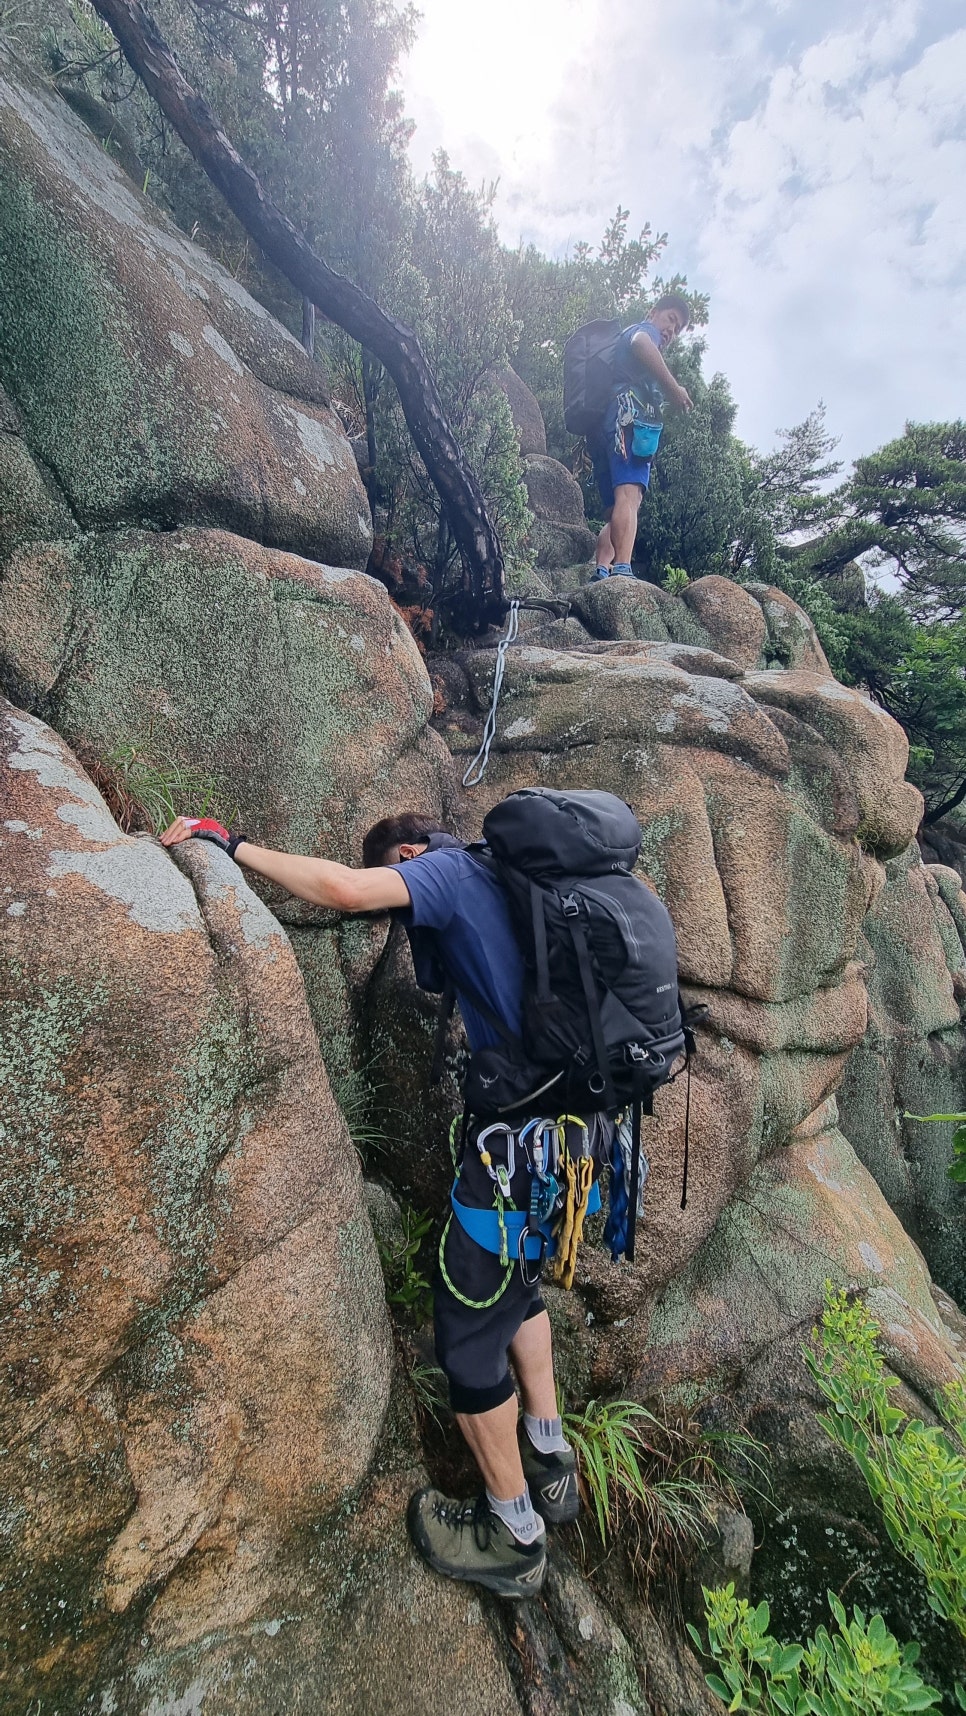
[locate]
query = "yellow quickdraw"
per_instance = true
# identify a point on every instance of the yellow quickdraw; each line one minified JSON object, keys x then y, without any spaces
{"x":580,"y":1178}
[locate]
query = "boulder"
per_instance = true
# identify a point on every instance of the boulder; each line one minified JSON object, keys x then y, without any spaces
{"x":792,"y":640}
{"x":185,"y":1222}
{"x":556,"y":546}
{"x":153,"y":389}
{"x":552,"y":491}
{"x":524,"y":409}
{"x":732,"y":618}
{"x":913,"y":1057}
{"x":294,"y":689}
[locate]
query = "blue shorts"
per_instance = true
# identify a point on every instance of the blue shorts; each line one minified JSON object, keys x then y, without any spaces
{"x":610,"y":470}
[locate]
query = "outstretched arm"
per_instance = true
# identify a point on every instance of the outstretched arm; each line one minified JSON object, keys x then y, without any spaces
{"x":649,"y":357}
{"x":317,"y":880}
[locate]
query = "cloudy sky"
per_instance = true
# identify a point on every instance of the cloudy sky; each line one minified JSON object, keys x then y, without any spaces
{"x":806,"y":158}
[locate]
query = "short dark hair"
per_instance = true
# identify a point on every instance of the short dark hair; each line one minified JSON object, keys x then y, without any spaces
{"x":409,"y":828}
{"x":674,"y":301}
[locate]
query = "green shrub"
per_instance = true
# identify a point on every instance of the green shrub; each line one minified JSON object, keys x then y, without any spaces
{"x":675,"y":579}
{"x":859,"y":1670}
{"x":957,"y":1167}
{"x":406,"y":1285}
{"x":915,"y":1472}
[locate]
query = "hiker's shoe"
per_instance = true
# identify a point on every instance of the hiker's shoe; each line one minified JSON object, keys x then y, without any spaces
{"x":621,"y":571}
{"x":466,"y":1540}
{"x":601,"y":573}
{"x":552,"y":1482}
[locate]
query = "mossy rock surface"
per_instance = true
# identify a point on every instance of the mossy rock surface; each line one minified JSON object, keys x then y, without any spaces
{"x":151,"y":386}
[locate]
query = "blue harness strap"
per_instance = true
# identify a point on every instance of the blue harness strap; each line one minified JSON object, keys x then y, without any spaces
{"x":483,"y":1226}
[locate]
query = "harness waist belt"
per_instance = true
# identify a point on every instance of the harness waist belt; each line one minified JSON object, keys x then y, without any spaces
{"x":483,"y":1226}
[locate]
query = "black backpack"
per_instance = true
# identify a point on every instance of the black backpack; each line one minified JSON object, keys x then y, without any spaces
{"x":602,"y":1021}
{"x":588,"y":375}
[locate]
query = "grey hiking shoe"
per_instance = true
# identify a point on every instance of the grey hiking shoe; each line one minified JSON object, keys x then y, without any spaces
{"x":466,"y":1540}
{"x":552,"y":1482}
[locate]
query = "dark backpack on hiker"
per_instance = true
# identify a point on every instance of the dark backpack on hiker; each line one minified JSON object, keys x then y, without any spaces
{"x":588,"y":375}
{"x":602,"y":1022}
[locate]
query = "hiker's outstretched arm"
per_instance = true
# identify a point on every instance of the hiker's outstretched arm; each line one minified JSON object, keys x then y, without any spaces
{"x":317,"y":880}
{"x":649,"y":357}
{"x":324,"y":883}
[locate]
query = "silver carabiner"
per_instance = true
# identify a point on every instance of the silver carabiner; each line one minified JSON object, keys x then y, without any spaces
{"x":511,"y":1159}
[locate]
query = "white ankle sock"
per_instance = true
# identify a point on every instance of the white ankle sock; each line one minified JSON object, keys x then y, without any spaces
{"x":518,"y":1516}
{"x":546,"y":1434}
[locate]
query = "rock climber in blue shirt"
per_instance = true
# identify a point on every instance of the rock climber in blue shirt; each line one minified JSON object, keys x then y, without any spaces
{"x":487,"y":1317}
{"x":631,"y":429}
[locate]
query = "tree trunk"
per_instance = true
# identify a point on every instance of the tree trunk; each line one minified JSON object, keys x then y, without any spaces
{"x":395,"y":345}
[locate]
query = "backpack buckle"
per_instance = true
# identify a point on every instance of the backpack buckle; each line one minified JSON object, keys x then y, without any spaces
{"x":571,"y":906}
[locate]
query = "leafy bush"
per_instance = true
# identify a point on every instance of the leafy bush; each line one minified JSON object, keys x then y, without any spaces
{"x":860,"y":1670}
{"x":915,"y":1472}
{"x":675,"y":579}
{"x":957,"y":1167}
{"x":406,"y":1285}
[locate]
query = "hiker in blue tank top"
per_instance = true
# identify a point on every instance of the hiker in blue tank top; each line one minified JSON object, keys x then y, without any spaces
{"x":486,"y":1316}
{"x":631,"y":429}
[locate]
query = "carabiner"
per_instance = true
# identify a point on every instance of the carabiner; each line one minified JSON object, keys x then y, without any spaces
{"x":486,"y":1156}
{"x":531,"y":1263}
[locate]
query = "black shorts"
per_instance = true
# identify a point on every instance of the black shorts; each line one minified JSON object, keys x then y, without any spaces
{"x":472,"y":1344}
{"x":472,"y":1341}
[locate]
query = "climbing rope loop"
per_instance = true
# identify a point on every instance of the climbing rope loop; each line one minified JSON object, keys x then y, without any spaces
{"x":477,"y":768}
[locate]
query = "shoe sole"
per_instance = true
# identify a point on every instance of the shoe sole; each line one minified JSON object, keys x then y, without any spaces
{"x":524,"y":1586}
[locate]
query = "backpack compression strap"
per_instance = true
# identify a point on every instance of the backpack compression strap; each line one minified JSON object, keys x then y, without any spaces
{"x":571,"y":912}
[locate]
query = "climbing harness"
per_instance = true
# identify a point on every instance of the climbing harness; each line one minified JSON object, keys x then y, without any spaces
{"x":558,"y":1182}
{"x":477,"y":768}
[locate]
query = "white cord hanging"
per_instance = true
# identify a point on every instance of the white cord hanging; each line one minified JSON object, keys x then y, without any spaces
{"x":477,"y":768}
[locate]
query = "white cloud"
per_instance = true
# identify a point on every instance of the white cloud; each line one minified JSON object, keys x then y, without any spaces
{"x":807,"y":159}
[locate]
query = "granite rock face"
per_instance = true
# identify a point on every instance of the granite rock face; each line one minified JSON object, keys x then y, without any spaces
{"x":185,"y":1226}
{"x":210,"y":1485}
{"x":912,"y":1059}
{"x":152,"y":388}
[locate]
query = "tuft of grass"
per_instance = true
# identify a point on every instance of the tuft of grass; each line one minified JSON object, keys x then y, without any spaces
{"x":145,"y":795}
{"x":355,"y":1092}
{"x":656,"y":1482}
{"x":430,"y":1392}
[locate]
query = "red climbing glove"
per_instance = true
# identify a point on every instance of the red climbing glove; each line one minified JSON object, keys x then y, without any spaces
{"x":206,"y":828}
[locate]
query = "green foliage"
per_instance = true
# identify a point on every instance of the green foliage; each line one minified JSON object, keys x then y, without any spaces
{"x":915,"y":1472}
{"x":430,"y":1391}
{"x":781,"y":495}
{"x":957,"y":1167}
{"x":355,"y":1093}
{"x":406,"y":1285}
{"x":653,"y":1482}
{"x":693,"y":507}
{"x":159,"y":790}
{"x":860,"y":1669}
{"x":675,"y":579}
{"x":448,"y":282}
